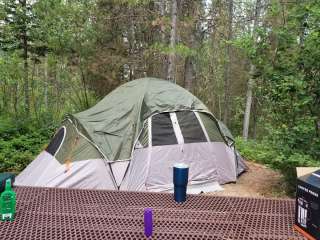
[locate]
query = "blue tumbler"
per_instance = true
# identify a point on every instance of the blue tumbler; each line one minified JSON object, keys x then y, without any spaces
{"x":180,"y":181}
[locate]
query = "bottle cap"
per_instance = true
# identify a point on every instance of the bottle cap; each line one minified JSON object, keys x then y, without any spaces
{"x":8,"y":184}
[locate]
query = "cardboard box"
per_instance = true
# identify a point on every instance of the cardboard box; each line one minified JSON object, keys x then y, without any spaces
{"x":308,"y":205}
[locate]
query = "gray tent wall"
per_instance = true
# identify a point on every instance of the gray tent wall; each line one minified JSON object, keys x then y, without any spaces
{"x":209,"y":158}
{"x":71,"y":160}
{"x":150,"y":169}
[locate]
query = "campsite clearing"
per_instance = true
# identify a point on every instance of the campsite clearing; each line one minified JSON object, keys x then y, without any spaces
{"x":258,"y":181}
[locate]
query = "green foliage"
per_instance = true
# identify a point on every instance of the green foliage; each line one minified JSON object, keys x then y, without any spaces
{"x":274,"y":156}
{"x":134,"y":3}
{"x":291,"y":81}
{"x":81,"y":49}
{"x":180,"y":49}
{"x":286,"y":54}
{"x":20,"y":142}
{"x":246,"y":44}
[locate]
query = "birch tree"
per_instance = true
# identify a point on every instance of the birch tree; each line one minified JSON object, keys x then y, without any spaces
{"x":227,"y":66}
{"x":191,"y":14}
{"x":173,"y":32}
{"x":250,"y":83}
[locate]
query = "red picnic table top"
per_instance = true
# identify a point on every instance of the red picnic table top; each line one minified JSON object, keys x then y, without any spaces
{"x":52,"y":213}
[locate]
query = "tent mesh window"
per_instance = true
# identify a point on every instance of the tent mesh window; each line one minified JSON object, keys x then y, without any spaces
{"x":190,"y":127}
{"x":56,"y":141}
{"x":162,"y":130}
{"x":211,"y":128}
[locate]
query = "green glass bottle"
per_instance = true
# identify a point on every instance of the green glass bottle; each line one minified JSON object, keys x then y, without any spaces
{"x":8,"y":203}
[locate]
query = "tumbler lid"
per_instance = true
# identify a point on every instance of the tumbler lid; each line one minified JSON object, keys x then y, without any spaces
{"x":180,"y":165}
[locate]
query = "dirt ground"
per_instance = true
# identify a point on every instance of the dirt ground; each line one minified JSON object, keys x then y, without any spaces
{"x":258,"y":181}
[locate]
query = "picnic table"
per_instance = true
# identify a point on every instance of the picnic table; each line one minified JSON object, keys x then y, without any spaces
{"x":53,"y":213}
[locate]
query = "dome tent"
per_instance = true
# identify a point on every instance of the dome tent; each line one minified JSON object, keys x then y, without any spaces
{"x":131,"y":139}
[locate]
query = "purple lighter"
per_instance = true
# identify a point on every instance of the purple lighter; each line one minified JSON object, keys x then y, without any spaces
{"x":148,"y":222}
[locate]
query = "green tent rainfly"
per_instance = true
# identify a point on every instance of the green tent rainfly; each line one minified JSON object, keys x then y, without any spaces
{"x":115,"y":122}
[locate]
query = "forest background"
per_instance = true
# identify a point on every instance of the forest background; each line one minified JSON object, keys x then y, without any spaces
{"x":254,"y":63}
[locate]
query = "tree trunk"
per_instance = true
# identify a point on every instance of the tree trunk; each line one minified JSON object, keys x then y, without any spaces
{"x":247,"y":111}
{"x":84,"y":84}
{"x":162,"y":6}
{"x":315,"y":113}
{"x":255,"y":119}
{"x":5,"y":96}
{"x":171,"y":60}
{"x":15,"y":98}
{"x":219,"y":105}
{"x":25,"y":58}
{"x":227,"y":67}
{"x":317,"y":126}
{"x":46,"y":82}
{"x":250,"y":83}
{"x":191,"y":34}
{"x":189,"y":73}
{"x":164,"y":65}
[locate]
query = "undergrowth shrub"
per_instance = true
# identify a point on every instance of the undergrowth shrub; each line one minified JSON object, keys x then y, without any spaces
{"x":20,"y":142}
{"x":284,"y":161}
